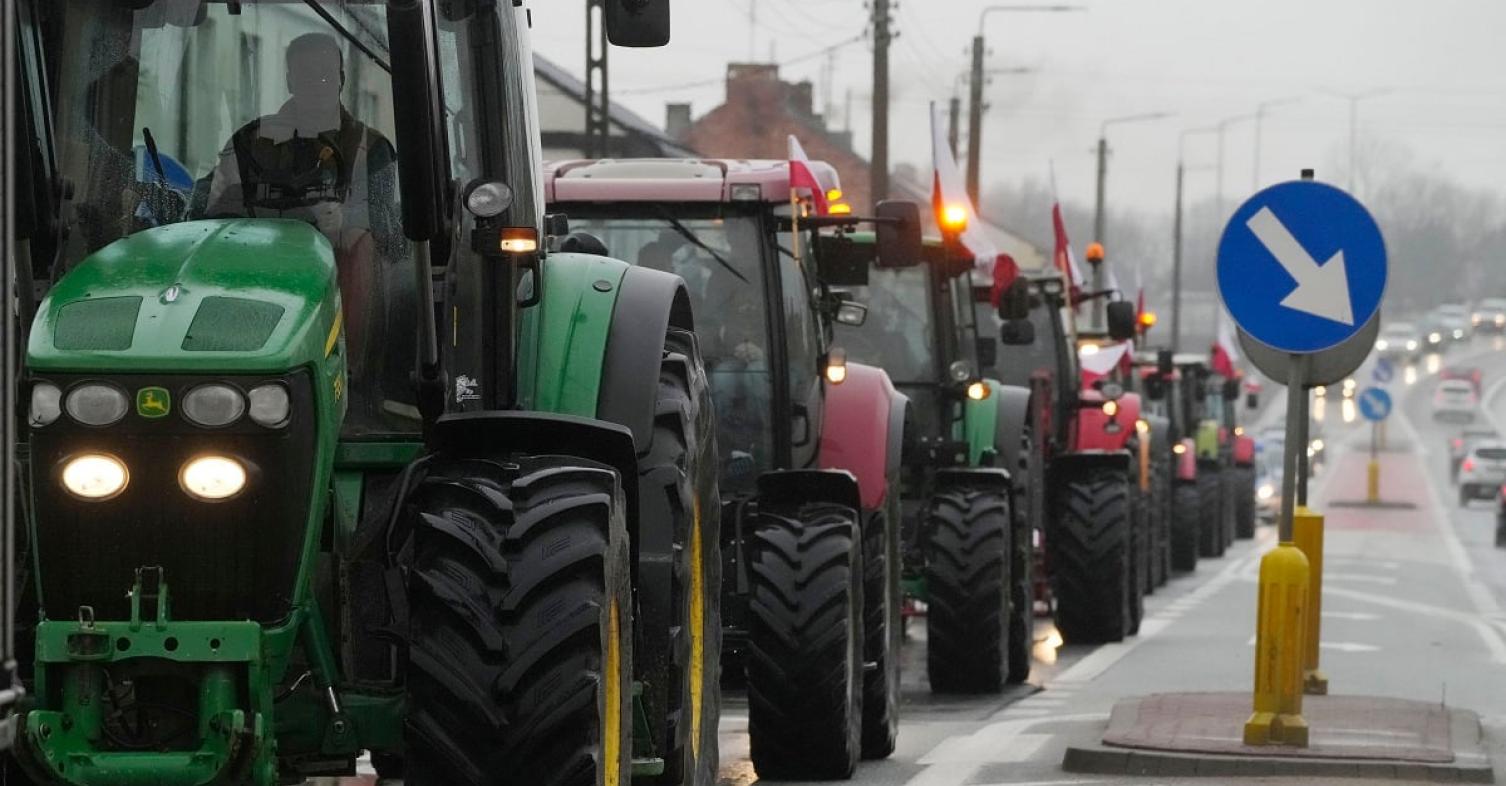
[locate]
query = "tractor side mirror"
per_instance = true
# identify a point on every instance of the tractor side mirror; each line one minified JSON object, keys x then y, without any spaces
{"x":898,"y":233}
{"x":988,"y":352}
{"x":1121,"y":316}
{"x":1015,"y":302}
{"x":1017,"y":333}
{"x":851,"y":313}
{"x":1231,"y":390}
{"x":1155,"y":387}
{"x":841,"y":262}
{"x":1252,"y":401}
{"x":638,"y":23}
{"x":1166,"y":363}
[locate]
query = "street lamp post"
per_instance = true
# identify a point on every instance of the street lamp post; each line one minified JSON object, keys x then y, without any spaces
{"x":1354,"y":100}
{"x":1176,"y":242}
{"x":975,"y":91}
{"x":1103,"y":157}
{"x":1260,"y":109}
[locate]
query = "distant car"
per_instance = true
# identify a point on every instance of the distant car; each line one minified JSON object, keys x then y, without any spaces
{"x":1455,"y":401}
{"x":1483,"y":472}
{"x":1459,"y":446}
{"x":1489,"y":316}
{"x":1399,"y":341}
{"x":1434,"y":333}
{"x":1470,"y":374}
{"x":1453,"y":321}
{"x":1501,"y":517}
{"x":1268,"y":481}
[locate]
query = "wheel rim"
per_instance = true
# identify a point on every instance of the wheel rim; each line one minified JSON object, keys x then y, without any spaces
{"x":697,"y":630}
{"x":612,"y":725}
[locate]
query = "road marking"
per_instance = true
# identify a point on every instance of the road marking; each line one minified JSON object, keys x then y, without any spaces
{"x":1358,"y":616}
{"x":1347,"y":646}
{"x":955,"y":759}
{"x":1362,"y":577}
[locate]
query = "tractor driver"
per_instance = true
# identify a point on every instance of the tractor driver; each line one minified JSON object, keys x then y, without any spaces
{"x":315,"y":162}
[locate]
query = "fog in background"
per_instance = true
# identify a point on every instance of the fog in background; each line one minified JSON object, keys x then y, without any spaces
{"x":1430,"y":158}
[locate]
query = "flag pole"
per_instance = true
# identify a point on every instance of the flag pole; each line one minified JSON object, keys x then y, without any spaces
{"x":1061,"y":270}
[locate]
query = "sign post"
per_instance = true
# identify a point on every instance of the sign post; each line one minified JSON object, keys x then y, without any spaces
{"x":1301,"y":269}
{"x":1375,"y":406}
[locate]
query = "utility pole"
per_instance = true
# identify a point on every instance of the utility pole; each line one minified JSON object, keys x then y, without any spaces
{"x":598,"y":100}
{"x":1103,"y":163}
{"x":878,"y":178}
{"x":956,"y":117}
{"x":975,"y":120}
{"x":1176,"y":241}
{"x":1354,"y":100}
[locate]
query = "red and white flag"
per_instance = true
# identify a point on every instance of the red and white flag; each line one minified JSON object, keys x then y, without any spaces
{"x":1063,"y":258}
{"x":1225,"y":354}
{"x":1098,"y":361}
{"x":801,"y":176}
{"x":948,"y":190}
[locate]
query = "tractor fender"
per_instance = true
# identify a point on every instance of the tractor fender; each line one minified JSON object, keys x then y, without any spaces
{"x":793,"y":487}
{"x":863,"y":431}
{"x":1244,"y":451}
{"x":1070,"y":465}
{"x":1012,"y":418}
{"x":1187,"y":461}
{"x":990,"y":478}
{"x":1093,"y":429}
{"x":648,"y":303}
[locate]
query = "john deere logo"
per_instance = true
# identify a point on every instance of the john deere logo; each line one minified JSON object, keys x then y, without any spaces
{"x":153,"y":403}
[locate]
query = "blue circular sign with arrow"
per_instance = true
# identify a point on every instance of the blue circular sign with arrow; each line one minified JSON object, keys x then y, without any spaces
{"x":1383,"y":372}
{"x":1375,"y":404}
{"x":1301,"y":266}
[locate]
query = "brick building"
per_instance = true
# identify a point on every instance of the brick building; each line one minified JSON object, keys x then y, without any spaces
{"x":756,"y":119}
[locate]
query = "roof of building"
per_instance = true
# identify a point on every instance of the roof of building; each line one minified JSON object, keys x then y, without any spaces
{"x":619,"y":115}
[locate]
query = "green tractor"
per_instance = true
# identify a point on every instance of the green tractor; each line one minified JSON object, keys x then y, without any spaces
{"x":972,"y":492}
{"x":331,"y":447}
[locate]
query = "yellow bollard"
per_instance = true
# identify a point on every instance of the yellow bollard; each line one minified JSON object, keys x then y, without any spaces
{"x":1281,"y":627}
{"x":1307,"y":534}
{"x":1372,"y":482}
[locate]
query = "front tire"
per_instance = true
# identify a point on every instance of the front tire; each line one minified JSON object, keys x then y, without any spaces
{"x":1186,"y":526}
{"x":520,"y":641}
{"x":805,"y":643}
{"x":881,"y":628}
{"x":1244,"y":502}
{"x":1210,"y":512}
{"x":968,"y":590}
{"x":1090,"y":558}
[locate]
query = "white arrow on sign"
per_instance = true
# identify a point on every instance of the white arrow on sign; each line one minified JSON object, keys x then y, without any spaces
{"x":1322,"y":290}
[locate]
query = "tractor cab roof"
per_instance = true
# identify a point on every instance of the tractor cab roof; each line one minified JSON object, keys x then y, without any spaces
{"x":677,"y":180}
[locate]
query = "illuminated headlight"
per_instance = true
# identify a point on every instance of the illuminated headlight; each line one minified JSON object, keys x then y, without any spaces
{"x":1317,"y":444}
{"x":1320,"y":391}
{"x":214,"y":405}
{"x":1111,"y":408}
{"x":1382,"y":344}
{"x":1142,"y":427}
{"x":1179,"y":448}
{"x":1266,"y":491}
{"x":978,"y":391}
{"x":1434,"y":338}
{"x":95,"y":476}
{"x":1411,"y":344}
{"x":1458,"y":333}
{"x":1475,"y":319}
{"x":212,"y":478}
{"x":959,"y":371}
{"x":46,"y":404}
{"x":1500,"y":320}
{"x":270,"y":405}
{"x":96,"y":404}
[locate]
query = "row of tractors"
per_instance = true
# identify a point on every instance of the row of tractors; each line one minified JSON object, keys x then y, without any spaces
{"x":505,"y":484}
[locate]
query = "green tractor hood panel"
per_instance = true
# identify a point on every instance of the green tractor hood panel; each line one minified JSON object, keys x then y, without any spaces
{"x":243,"y":295}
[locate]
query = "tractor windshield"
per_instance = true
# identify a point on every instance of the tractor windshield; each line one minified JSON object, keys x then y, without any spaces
{"x":178,"y":110}
{"x":900,"y":333}
{"x":721,"y":257}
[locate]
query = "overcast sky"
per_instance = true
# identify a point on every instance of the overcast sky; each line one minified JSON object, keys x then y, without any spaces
{"x":1442,"y":64}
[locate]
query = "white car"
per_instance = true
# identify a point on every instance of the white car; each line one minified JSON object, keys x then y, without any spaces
{"x":1400,"y":341}
{"x":1482,"y":472}
{"x":1454,"y":400}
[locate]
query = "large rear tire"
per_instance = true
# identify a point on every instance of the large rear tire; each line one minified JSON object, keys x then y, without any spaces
{"x":881,"y":627}
{"x":805,"y":643}
{"x":968,"y":590}
{"x":1244,"y":502}
{"x":1210,"y":512}
{"x":1090,"y":557}
{"x":1186,"y":526}
{"x":678,"y":494}
{"x":520,"y":641}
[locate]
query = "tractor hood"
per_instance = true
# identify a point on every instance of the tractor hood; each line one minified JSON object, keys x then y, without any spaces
{"x":236,"y":295}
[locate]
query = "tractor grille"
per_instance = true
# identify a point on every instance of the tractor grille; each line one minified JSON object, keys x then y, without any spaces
{"x":230,"y":560}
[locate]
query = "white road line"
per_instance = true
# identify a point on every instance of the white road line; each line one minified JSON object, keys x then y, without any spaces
{"x":1361,"y":577}
{"x":1358,"y":616}
{"x":955,"y":759}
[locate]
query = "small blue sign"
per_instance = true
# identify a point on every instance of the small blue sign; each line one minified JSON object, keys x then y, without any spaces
{"x":1383,"y":372}
{"x":1301,"y":266}
{"x":1375,"y":404}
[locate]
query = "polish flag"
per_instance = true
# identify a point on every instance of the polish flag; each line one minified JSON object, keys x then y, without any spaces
{"x":801,"y":176}
{"x":1098,"y":361}
{"x":947,"y":188}
{"x":1065,"y":262}
{"x":1006,"y":270}
{"x":1225,"y":360}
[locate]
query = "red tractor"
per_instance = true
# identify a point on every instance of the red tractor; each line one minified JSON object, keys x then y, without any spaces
{"x":811,"y":444}
{"x":1095,"y":546}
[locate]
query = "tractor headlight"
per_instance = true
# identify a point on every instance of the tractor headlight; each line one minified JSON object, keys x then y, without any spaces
{"x":96,"y":404}
{"x":46,"y":404}
{"x":270,"y":405}
{"x":1111,"y":408}
{"x":1142,"y":426}
{"x":214,"y":405}
{"x":212,"y":478}
{"x":978,"y":391}
{"x":95,"y":477}
{"x":960,"y":371}
{"x":1266,"y":491}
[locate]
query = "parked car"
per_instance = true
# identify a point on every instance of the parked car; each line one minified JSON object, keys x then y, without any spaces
{"x":1483,"y":472}
{"x":1399,"y":341}
{"x":1455,"y":401}
{"x":1489,"y":316}
{"x":1459,"y":446}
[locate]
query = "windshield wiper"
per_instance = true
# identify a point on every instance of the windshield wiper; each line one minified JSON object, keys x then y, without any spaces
{"x":346,"y":34}
{"x":685,"y":232}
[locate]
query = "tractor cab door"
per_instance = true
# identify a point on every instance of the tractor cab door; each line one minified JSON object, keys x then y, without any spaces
{"x":804,"y":346}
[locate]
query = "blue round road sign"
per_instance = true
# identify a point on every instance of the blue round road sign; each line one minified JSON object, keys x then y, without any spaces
{"x":1384,"y":371}
{"x":1375,"y":404}
{"x":1301,"y":266}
